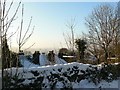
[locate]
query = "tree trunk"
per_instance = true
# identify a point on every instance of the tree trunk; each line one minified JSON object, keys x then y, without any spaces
{"x":106,"y":57}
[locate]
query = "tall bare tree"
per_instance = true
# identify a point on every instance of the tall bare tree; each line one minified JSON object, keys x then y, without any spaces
{"x":70,"y":37}
{"x":21,"y":41}
{"x":102,"y":25}
{"x":5,"y":23}
{"x":116,"y":36}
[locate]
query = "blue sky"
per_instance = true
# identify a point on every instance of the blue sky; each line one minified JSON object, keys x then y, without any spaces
{"x":50,"y":19}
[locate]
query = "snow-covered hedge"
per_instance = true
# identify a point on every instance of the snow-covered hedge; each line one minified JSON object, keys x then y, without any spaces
{"x":70,"y":75}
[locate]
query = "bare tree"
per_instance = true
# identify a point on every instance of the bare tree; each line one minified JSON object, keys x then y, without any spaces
{"x":21,"y":41}
{"x":102,"y":25}
{"x":116,"y":37}
{"x":5,"y":24}
{"x":70,"y":37}
{"x":93,"y":49}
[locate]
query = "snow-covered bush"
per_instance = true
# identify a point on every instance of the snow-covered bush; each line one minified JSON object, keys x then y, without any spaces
{"x":60,"y":76}
{"x":93,"y":75}
{"x":13,"y":81}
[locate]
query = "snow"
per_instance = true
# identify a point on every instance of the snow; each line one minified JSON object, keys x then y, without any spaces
{"x":113,"y":84}
{"x":26,"y":63}
{"x":43,"y":60}
{"x":59,"y":60}
{"x":69,"y":56}
{"x":45,"y":69}
{"x":86,"y":84}
{"x":103,"y":84}
{"x":59,"y":85}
